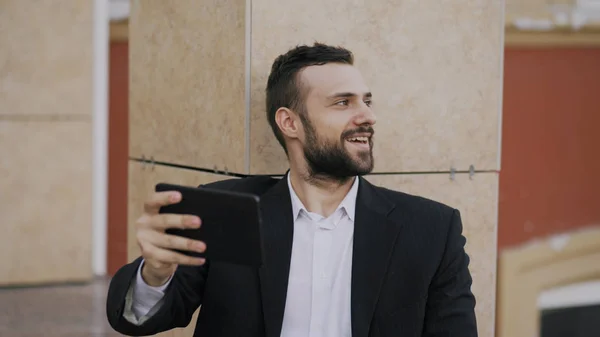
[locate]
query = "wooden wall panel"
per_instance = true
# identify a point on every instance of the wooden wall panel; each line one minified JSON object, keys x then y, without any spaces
{"x":477,"y":200}
{"x":434,"y":69}
{"x":46,"y":202}
{"x":187,"y":84}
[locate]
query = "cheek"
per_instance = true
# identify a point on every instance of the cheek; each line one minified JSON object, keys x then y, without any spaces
{"x":333,"y":134}
{"x":330,"y":125}
{"x":333,"y":129}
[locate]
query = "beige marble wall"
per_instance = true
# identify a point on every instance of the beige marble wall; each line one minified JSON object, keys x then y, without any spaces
{"x":199,"y":69}
{"x":435,"y":72}
{"x":434,"y":69}
{"x":187,"y":87}
{"x":46,"y":59}
{"x":45,"y":202}
{"x":45,"y":141}
{"x":476,"y":198}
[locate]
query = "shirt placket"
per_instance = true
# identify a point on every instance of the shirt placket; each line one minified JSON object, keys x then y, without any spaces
{"x":321,"y":277}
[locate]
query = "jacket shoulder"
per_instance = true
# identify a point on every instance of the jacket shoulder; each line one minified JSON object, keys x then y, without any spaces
{"x":424,"y":216}
{"x":257,"y":185}
{"x":419,"y":206}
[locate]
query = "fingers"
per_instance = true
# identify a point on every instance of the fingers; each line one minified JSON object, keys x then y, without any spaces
{"x":159,"y":199}
{"x":153,"y":219}
{"x":158,"y":257}
{"x":162,"y":222}
{"x":168,"y":241}
{"x":157,"y":248}
{"x":165,"y":221}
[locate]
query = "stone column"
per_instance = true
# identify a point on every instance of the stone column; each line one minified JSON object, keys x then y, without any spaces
{"x":46,"y":82}
{"x":199,"y":70}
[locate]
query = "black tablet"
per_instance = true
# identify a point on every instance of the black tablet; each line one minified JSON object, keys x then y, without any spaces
{"x":231,"y":223}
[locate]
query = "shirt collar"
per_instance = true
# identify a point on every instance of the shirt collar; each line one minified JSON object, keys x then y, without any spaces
{"x":348,"y":204}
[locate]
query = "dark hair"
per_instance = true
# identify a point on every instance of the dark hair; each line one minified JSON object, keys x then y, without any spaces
{"x":284,"y":88}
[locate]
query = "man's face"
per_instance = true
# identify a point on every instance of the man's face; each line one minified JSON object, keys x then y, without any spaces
{"x":338,"y":122}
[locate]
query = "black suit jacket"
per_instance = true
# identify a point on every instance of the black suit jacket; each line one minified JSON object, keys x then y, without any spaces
{"x":410,"y":275}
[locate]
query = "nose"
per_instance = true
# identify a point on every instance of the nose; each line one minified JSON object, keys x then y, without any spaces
{"x":365,"y":115}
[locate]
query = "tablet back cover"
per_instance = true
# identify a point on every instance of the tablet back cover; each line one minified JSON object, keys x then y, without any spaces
{"x":231,"y":223}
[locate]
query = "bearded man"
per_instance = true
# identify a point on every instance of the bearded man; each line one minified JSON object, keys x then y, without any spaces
{"x":342,"y":257}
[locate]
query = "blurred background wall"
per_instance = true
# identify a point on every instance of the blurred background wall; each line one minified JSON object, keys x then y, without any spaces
{"x":550,"y":158}
{"x":549,"y":202}
{"x":531,"y":203}
{"x":549,"y":181}
{"x":46,"y":145}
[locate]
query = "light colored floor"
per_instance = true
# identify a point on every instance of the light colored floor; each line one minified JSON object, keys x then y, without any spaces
{"x":55,"y":311}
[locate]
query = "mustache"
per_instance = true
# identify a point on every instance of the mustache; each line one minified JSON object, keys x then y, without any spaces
{"x":360,"y":129}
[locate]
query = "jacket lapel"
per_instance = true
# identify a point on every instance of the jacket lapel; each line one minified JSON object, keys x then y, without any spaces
{"x":277,"y":236}
{"x":374,"y":237}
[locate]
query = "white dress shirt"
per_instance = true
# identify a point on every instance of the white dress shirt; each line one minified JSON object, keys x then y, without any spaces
{"x":319,"y":287}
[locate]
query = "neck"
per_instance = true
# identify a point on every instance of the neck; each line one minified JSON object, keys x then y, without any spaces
{"x":319,"y":194}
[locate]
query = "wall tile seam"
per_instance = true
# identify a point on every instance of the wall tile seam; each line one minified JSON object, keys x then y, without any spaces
{"x":45,"y":118}
{"x":152,"y":161}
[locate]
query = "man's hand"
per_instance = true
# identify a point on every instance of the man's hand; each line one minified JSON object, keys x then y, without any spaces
{"x":160,"y":261}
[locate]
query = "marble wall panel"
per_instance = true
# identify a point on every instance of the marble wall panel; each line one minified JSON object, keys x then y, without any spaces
{"x":434,"y":68}
{"x":187,"y":82}
{"x":46,"y":61}
{"x":46,"y":202}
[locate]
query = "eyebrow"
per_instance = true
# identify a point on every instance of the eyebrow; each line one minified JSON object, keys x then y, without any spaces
{"x":347,"y":95}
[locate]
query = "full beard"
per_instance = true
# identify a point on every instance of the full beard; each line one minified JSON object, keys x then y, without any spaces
{"x":331,"y":162}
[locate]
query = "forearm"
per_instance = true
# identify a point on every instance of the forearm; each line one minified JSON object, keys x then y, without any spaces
{"x":143,"y":300}
{"x":182,"y":296}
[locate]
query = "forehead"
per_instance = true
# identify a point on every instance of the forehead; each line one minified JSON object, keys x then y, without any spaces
{"x":328,"y":79}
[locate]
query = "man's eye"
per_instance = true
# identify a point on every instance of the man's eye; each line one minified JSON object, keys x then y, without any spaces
{"x":343,"y":102}
{"x":368,"y":102}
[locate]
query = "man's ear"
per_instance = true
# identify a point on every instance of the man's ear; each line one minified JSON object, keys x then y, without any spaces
{"x":288,"y":122}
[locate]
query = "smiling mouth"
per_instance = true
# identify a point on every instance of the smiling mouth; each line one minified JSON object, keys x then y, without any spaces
{"x":359,"y":140}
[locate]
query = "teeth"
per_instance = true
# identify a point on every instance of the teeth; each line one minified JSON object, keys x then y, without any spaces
{"x":359,"y":139}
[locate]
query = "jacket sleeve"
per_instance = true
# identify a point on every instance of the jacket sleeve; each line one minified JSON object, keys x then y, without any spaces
{"x":450,"y":309}
{"x":182,"y":297}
